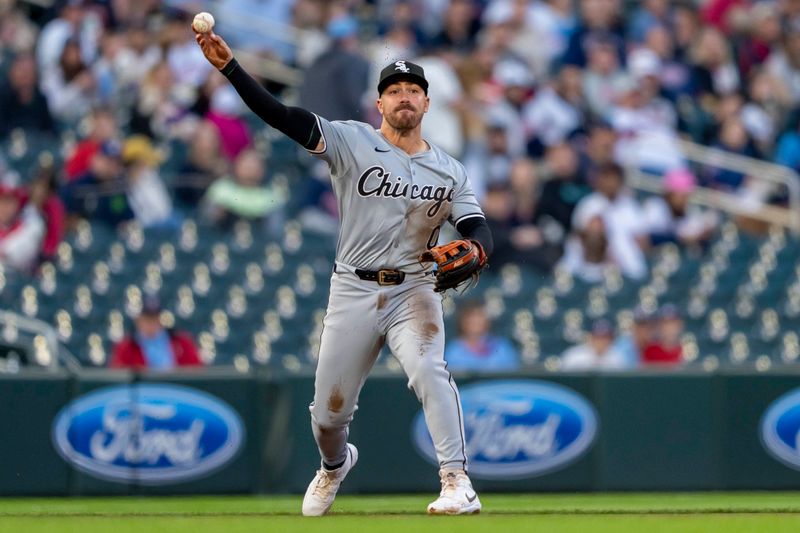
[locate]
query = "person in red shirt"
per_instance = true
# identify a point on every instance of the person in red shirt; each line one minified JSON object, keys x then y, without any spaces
{"x":154,"y":347}
{"x":103,"y":128}
{"x":667,"y":349}
{"x":44,"y":195}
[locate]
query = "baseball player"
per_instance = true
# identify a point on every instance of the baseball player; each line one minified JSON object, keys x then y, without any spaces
{"x":394,"y":191}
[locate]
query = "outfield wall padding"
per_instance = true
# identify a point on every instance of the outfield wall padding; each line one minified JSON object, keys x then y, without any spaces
{"x":655,"y":431}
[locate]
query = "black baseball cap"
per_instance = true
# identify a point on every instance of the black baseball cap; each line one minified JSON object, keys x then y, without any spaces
{"x":402,"y":71}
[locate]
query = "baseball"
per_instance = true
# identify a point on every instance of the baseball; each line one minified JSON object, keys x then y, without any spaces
{"x":203,"y":22}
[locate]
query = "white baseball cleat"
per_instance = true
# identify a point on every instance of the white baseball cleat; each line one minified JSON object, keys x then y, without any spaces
{"x":323,"y":488}
{"x":457,"y":496}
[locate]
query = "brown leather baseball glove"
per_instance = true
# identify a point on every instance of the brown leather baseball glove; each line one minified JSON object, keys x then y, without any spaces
{"x":457,"y":262}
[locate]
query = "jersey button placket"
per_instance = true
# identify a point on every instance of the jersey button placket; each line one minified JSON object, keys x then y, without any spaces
{"x":405,"y":217}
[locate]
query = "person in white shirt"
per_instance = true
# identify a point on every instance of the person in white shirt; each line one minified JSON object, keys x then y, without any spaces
{"x":21,"y":230}
{"x":556,"y":111}
{"x":622,"y":219}
{"x":147,"y":194}
{"x":597,"y":353}
{"x":444,"y":125}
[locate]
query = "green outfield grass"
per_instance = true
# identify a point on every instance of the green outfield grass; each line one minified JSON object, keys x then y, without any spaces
{"x":623,"y":512}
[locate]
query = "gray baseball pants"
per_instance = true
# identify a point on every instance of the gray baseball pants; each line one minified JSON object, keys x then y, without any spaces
{"x":360,"y":318}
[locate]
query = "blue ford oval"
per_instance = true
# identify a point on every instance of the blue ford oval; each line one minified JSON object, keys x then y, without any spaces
{"x":519,"y":428}
{"x":780,"y":429}
{"x":153,"y":434}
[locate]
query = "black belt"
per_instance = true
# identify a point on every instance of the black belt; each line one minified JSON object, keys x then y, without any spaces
{"x":382,"y":277}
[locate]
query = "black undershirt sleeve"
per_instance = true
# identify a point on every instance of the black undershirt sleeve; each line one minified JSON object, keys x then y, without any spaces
{"x":476,"y":229}
{"x":296,"y":123}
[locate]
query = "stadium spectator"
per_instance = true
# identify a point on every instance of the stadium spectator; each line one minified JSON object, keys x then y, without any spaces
{"x":733,"y":138}
{"x":604,"y":79}
{"x":764,"y":111}
{"x":674,"y":74}
{"x":784,"y":63}
{"x":621,"y":222}
{"x":476,"y":348}
{"x":516,"y":36}
{"x":561,"y":193}
{"x":714,"y":71}
{"x":160,"y":109}
{"x":556,"y":112}
{"x":666,"y":348}
{"x":631,"y":346}
{"x":101,"y":193}
{"x":187,"y":65}
{"x":444,"y":126}
{"x":204,"y":164}
{"x":600,"y":142}
{"x":670,"y":217}
{"x":554,"y":23}
{"x":147,"y":195}
{"x":21,"y":230}
{"x":512,"y":213}
{"x":138,"y":57}
{"x":586,"y":251}
{"x":319,"y":211}
{"x":517,"y":84}
{"x":70,"y":86}
{"x":597,"y":352}
{"x":102,"y":128}
{"x":225,"y":113}
{"x":22,"y":105}
{"x":74,"y":21}
{"x":645,"y":122}
{"x":44,"y":195}
{"x":459,"y":27}
{"x":649,"y":14}
{"x":787,"y":150}
{"x":405,"y":13}
{"x":153,"y":347}
{"x":763,"y":35}
{"x":599,"y":19}
{"x":17,"y":33}
{"x":243,"y":196}
{"x":342,"y":61}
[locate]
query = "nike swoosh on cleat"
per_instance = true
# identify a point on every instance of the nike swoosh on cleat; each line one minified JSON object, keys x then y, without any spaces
{"x":382,"y":151}
{"x":471,"y":499}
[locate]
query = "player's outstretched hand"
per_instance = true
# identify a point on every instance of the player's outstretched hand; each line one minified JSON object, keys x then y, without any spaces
{"x":214,"y":48}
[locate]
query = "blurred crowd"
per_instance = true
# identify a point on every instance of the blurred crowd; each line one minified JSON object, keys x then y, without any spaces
{"x":545,"y":101}
{"x":548,"y":103}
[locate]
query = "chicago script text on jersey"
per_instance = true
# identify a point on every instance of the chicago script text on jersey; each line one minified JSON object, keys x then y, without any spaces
{"x":398,"y":188}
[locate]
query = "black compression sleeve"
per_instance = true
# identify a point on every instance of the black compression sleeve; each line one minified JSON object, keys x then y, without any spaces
{"x":476,"y":229}
{"x":297,"y":123}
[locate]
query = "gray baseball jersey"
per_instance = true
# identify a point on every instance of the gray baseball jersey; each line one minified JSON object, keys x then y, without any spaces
{"x":391,"y":204}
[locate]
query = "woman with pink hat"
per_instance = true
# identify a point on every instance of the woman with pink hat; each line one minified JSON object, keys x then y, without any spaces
{"x":671,"y":218}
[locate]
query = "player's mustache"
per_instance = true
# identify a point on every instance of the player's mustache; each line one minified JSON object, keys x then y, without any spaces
{"x":405,"y":106}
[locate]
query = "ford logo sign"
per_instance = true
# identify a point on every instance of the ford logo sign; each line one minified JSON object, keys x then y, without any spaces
{"x":780,"y":429}
{"x":150,"y":434}
{"x":519,"y":428}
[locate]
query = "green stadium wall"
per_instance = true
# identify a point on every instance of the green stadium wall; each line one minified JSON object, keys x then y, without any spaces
{"x":656,"y":431}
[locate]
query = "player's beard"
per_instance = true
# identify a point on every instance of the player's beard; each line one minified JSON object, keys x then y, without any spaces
{"x":404,"y":121}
